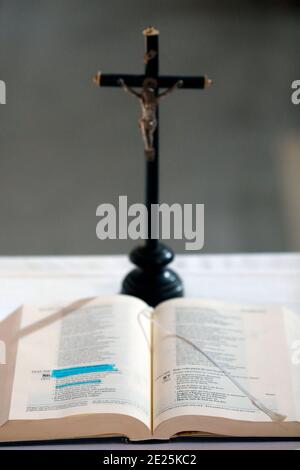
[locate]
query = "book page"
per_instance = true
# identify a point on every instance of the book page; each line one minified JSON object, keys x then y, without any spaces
{"x":235,"y":363}
{"x":92,"y":357}
{"x":292,"y":329}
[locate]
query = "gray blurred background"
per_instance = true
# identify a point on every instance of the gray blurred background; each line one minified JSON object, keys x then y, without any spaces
{"x":66,"y":146}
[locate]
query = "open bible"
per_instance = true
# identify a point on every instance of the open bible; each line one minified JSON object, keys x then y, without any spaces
{"x":112,"y":366}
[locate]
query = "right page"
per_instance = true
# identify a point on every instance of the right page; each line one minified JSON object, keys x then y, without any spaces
{"x":225,"y":369}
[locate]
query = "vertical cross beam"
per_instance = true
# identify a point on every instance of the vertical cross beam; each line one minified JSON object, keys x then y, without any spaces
{"x":152,"y":165}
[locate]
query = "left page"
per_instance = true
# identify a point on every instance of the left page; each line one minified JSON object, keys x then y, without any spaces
{"x":91,"y":357}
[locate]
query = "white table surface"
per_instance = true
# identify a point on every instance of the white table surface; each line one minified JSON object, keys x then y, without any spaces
{"x":264,"y":278}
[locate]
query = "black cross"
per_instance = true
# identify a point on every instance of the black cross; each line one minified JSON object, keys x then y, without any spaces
{"x":152,"y":281}
{"x":151,"y":60}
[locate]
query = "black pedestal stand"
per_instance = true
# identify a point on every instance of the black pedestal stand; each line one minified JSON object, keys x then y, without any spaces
{"x":152,"y":281}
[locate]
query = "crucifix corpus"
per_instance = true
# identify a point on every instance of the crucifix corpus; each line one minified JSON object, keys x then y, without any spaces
{"x":151,"y":281}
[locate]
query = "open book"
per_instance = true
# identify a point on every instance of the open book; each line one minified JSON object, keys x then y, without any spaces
{"x":112,"y":366}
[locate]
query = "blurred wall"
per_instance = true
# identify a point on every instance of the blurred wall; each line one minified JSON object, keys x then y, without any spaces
{"x":66,"y":146}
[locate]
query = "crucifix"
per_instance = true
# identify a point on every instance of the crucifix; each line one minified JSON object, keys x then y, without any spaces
{"x":151,"y":281}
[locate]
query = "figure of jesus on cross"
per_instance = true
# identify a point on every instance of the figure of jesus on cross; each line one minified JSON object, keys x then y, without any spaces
{"x":152,"y":281}
{"x":149,"y":100}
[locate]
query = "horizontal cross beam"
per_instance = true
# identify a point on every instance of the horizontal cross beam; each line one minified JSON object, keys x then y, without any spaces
{"x":163,"y":81}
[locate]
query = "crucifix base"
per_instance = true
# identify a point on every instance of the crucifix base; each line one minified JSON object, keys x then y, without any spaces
{"x":152,"y":281}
